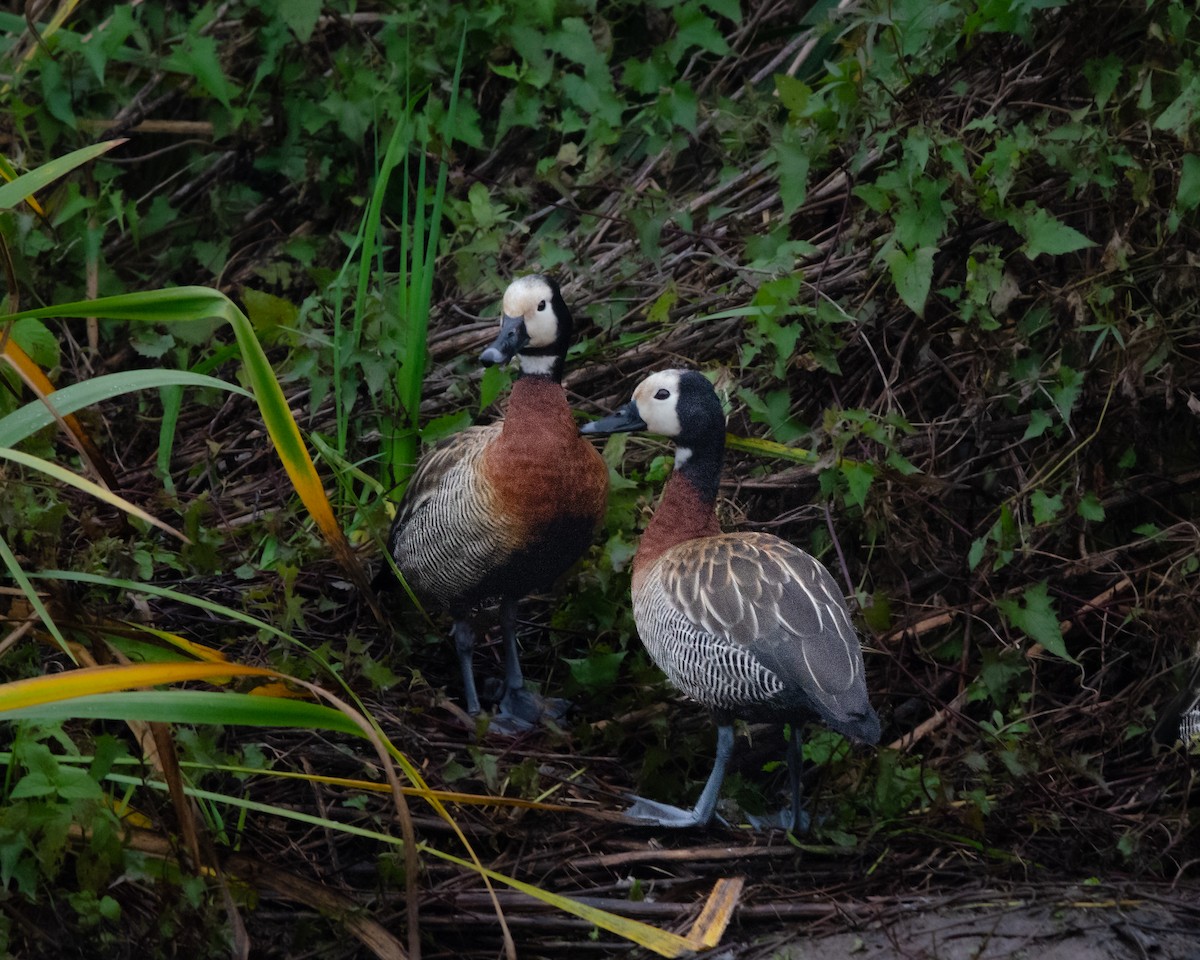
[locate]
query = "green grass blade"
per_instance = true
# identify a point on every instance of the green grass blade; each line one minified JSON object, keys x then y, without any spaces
{"x":32,"y":417}
{"x":18,"y":574}
{"x":14,"y":193}
{"x":191,"y":706}
{"x":63,"y":475}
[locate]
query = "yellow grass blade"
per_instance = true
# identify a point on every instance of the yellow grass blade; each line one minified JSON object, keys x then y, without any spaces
{"x":52,"y":688}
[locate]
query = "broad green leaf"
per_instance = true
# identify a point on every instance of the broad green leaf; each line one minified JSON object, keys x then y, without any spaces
{"x":792,"y":160}
{"x":38,"y":343}
{"x":199,"y":57}
{"x":1180,"y":114}
{"x":912,"y":273}
{"x":793,"y":93}
{"x":975,"y":554}
{"x":1034,"y":615}
{"x":1039,"y":422}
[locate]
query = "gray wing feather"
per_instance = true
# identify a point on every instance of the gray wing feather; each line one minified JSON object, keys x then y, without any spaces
{"x":760,"y":605}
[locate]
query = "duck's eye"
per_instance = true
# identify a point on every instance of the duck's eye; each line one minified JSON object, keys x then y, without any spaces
{"x":663,"y":394}
{"x":541,"y":306}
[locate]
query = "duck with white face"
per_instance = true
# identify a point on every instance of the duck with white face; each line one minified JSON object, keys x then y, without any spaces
{"x":744,"y":623}
{"x":501,"y":511}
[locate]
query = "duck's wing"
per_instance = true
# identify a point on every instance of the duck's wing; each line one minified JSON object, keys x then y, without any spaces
{"x":767,"y":597}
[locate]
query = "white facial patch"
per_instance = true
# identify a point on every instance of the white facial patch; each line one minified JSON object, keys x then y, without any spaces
{"x":657,"y":398}
{"x":523,"y":298}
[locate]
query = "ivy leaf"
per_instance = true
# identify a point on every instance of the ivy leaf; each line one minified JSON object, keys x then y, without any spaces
{"x":975,"y":554}
{"x":493,"y":381}
{"x":32,"y":336}
{"x":1090,"y":508}
{"x":598,"y":671}
{"x":1045,"y":233}
{"x":1035,"y":616}
{"x":912,"y":273}
{"x":1045,"y":507}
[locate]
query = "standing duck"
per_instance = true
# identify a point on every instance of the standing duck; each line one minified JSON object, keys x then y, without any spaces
{"x":500,"y":511}
{"x":744,"y":623}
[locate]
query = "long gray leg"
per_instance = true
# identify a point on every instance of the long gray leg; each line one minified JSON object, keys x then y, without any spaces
{"x":795,"y":760}
{"x":464,"y":644}
{"x":513,"y":678}
{"x":520,"y":709}
{"x":665,"y":815}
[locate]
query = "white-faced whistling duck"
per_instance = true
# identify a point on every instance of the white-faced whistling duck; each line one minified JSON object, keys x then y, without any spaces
{"x":499,"y":511}
{"x":744,"y":623}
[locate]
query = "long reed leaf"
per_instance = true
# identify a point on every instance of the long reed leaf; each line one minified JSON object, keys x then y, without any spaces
{"x":27,"y":420}
{"x":16,"y":191}
{"x":63,"y":475}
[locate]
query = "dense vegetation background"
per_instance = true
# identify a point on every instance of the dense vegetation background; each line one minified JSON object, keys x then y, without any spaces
{"x":940,"y":258}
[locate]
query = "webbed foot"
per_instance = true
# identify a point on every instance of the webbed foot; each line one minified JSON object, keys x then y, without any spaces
{"x":782,"y":820}
{"x":646,"y":811}
{"x":522,"y":710}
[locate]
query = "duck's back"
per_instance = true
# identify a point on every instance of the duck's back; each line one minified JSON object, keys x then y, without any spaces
{"x":752,"y":626}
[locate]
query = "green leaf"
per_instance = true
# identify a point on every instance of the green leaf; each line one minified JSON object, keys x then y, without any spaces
{"x":494,"y":380}
{"x":912,"y":273}
{"x":1090,"y":508}
{"x":198,"y":57}
{"x":793,"y":93}
{"x":1039,"y":422}
{"x":301,"y":16}
{"x":1180,"y":114}
{"x":1045,"y":233}
{"x":792,"y":160}
{"x":598,"y":671}
{"x":1188,"y":197}
{"x":37,"y":341}
{"x":1045,"y":507}
{"x":859,"y":477}
{"x":443,"y":426}
{"x":1036,"y":618}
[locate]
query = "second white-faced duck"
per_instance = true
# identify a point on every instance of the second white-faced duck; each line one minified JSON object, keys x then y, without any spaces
{"x":744,"y":623}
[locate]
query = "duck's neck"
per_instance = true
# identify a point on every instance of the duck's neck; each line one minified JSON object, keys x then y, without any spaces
{"x":687,"y":509}
{"x":538,"y":411}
